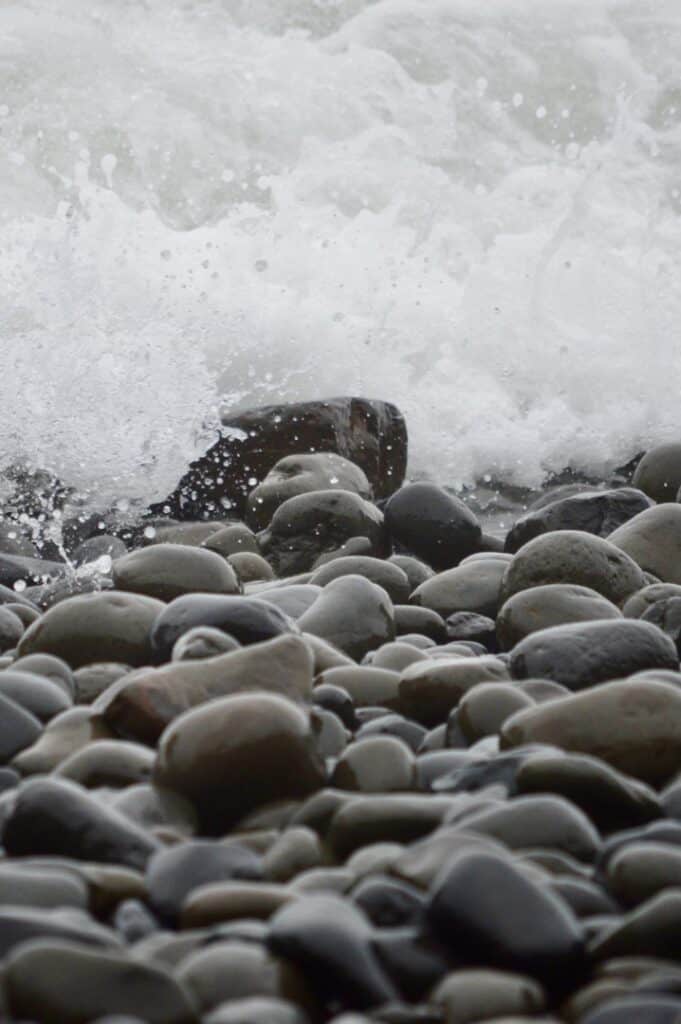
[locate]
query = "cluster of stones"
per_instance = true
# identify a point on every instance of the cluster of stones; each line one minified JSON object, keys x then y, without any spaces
{"x":348,"y":760}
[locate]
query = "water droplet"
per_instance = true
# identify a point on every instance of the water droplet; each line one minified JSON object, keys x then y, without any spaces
{"x":150,"y":533}
{"x":19,"y":585}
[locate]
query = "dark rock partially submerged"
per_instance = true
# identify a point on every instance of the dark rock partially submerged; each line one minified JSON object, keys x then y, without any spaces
{"x":371,"y":433}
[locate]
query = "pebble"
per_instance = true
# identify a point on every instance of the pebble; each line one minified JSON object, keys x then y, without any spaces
{"x":658,"y":473}
{"x":537,"y":934}
{"x":375,"y":764}
{"x":167,"y":571}
{"x":554,"y":604}
{"x":582,"y":654}
{"x":56,"y":817}
{"x":330,"y":940}
{"x":106,"y":626}
{"x":308,"y":525}
{"x":250,"y":567}
{"x":432,"y":525}
{"x":34,"y":693}
{"x":470,"y":995}
{"x":639,"y":871}
{"x":635,"y":726}
{"x":91,"y":680}
{"x":474,"y":587}
{"x":387,"y":575}
{"x":11,"y":629}
{"x":429,"y":690}
{"x":651,"y":539}
{"x":550,"y":822}
{"x":300,"y":474}
{"x":568,"y":556}
{"x":234,"y":539}
{"x":598,"y":513}
{"x":228,"y":971}
{"x":259,"y":742}
{"x":352,"y":614}
{"x":108,"y":763}
{"x":19,"y":729}
{"x":141,"y":705}
{"x":247,"y":620}
{"x":610,"y":799}
{"x":51,"y":981}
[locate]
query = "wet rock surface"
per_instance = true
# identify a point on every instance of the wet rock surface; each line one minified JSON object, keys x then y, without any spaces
{"x":347,"y":761}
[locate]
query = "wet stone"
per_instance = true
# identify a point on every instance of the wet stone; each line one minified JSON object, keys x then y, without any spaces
{"x":233,"y":901}
{"x":140,"y":706}
{"x":50,"y":982}
{"x":247,"y":619}
{"x":394,"y":656}
{"x":580,"y":655}
{"x":432,"y":525}
{"x":307,"y":526}
{"x":650,"y":929}
{"x":415,"y":619}
{"x":107,"y":626}
{"x":250,"y":567}
{"x":568,"y":556}
{"x":301,"y":474}
{"x":167,"y":571}
{"x":111,"y":763}
{"x":63,"y":735}
{"x":174,"y":873}
{"x":483,"y":710}
{"x":610,"y":799}
{"x":651,"y":539}
{"x":384,"y":818}
{"x":597,"y":512}
{"x":353,"y":614}
{"x":555,"y":604}
{"x":93,"y":680}
{"x":429,"y":690}
{"x":639,"y":871}
{"x":11,"y":629}
{"x":375,"y":764}
{"x":366,"y":686}
{"x":538,"y":821}
{"x":537,"y":934}
{"x":236,"y":754}
{"x":330,"y":940}
{"x":658,"y":473}
{"x":387,"y":575}
{"x":59,"y":818}
{"x":474,"y":587}
{"x":635,"y":726}
{"x":18,"y":729}
{"x":36,"y":694}
{"x":466,"y":996}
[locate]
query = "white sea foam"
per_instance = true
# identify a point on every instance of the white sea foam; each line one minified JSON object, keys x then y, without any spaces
{"x":471,"y":209}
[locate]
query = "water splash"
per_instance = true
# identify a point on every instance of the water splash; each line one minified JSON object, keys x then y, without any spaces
{"x":471,"y":210}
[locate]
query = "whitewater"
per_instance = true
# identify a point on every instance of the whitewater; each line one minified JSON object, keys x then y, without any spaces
{"x":471,"y":209}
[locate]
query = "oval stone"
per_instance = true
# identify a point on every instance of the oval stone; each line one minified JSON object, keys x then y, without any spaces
{"x":633,"y":725}
{"x":568,"y":556}
{"x":167,"y":571}
{"x":579,"y":655}
{"x":234,"y":755}
{"x":105,"y":626}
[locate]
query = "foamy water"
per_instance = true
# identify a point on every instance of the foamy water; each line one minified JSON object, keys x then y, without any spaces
{"x":470,"y":208}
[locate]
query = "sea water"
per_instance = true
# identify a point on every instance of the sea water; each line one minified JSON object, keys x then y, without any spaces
{"x":468,"y":207}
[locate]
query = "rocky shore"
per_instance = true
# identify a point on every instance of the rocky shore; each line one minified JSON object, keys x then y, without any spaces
{"x":304,"y":743}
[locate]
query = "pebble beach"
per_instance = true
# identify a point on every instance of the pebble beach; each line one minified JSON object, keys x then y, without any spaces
{"x":341,"y":758}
